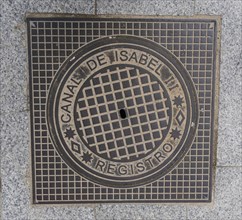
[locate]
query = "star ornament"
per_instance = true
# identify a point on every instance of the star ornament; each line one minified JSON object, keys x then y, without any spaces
{"x":69,"y":133}
{"x":175,"y":133}
{"x":87,"y":157}
{"x":178,"y":100}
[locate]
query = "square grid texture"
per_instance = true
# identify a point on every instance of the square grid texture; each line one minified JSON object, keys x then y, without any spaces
{"x":98,"y":104}
{"x":51,"y":40}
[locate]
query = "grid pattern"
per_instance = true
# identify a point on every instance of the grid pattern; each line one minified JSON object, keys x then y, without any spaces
{"x":99,"y":121}
{"x":52,"y":40}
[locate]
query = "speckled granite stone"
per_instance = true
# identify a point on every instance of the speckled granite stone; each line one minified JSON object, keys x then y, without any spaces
{"x":152,"y":7}
{"x":228,"y":196}
{"x":230,"y":115}
{"x":140,"y":212}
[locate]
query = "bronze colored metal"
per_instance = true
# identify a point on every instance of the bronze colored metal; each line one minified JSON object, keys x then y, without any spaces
{"x":122,"y":109}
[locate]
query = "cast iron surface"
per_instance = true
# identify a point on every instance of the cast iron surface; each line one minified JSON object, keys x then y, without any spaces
{"x":122,"y":110}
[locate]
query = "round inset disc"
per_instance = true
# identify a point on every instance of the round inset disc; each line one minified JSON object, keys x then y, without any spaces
{"x":142,"y":96}
{"x":122,"y":111}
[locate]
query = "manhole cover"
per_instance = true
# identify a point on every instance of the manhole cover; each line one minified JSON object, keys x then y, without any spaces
{"x":122,"y":110}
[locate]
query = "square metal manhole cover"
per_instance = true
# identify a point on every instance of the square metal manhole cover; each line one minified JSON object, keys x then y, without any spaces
{"x":122,"y":109}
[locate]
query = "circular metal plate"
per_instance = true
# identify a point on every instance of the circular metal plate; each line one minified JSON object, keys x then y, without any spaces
{"x":122,"y":111}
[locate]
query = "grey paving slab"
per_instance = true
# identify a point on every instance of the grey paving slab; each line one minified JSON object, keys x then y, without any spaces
{"x":152,"y":7}
{"x":228,"y":195}
{"x":13,"y":84}
{"x":146,"y":211}
{"x":14,"y":143}
{"x":230,"y":121}
{"x":13,"y":45}
{"x":16,"y":178}
{"x":65,"y":213}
